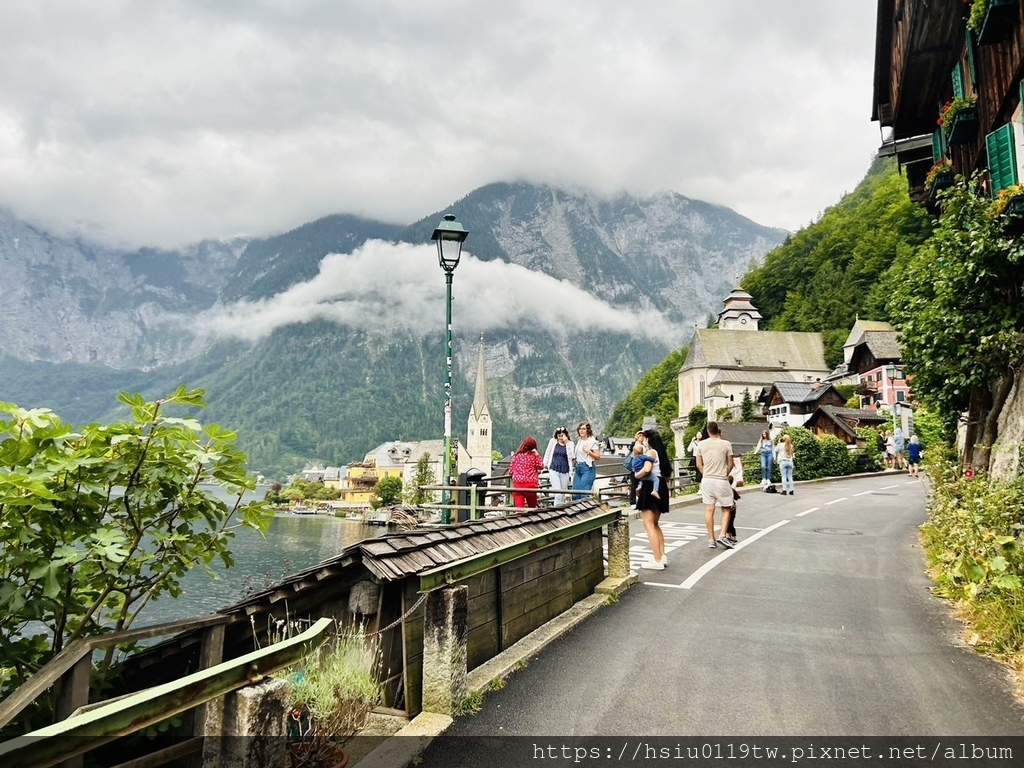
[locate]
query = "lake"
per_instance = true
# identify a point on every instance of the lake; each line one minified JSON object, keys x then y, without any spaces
{"x":292,"y":543}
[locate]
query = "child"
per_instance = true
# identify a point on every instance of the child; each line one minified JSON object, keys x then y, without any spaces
{"x":640,"y":458}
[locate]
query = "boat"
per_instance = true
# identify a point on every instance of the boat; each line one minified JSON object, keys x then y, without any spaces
{"x":301,"y":509}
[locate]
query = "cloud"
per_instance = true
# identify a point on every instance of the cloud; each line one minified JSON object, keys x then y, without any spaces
{"x":164,"y":123}
{"x":392,"y":288}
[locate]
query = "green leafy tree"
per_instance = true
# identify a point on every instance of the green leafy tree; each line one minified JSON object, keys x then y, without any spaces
{"x":657,"y":394}
{"x":960,"y":314}
{"x":415,"y":494}
{"x":387,"y":492}
{"x":97,"y":522}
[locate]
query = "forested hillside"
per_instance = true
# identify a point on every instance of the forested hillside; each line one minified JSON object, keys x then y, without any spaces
{"x":844,"y":265}
{"x":822,"y":278}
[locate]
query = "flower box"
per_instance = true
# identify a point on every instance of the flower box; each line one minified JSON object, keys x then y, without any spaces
{"x":941,"y":181}
{"x":998,"y":21}
{"x":964,"y":126}
{"x":1015,"y":207}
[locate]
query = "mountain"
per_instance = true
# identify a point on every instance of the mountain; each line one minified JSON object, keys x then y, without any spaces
{"x":576,"y":296}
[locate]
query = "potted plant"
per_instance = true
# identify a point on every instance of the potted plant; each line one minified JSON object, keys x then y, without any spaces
{"x":988,"y":18}
{"x":959,"y":119}
{"x":939,"y":177}
{"x":330,"y":699}
{"x":1009,"y":206}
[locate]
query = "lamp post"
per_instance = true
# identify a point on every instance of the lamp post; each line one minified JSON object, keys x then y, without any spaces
{"x":449,"y":236}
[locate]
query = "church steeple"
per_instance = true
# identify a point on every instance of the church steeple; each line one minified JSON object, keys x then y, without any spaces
{"x":480,"y":396}
{"x":478,"y":443}
{"x":739,"y":313}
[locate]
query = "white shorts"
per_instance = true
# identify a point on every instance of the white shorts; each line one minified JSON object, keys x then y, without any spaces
{"x":715,"y":491}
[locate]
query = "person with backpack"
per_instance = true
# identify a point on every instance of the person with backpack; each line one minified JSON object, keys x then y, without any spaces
{"x":785,"y":455}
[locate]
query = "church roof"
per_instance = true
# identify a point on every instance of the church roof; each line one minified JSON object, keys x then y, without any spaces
{"x":765,"y":350}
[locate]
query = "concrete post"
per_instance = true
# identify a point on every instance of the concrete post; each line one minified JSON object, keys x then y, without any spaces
{"x":618,"y":548}
{"x":445,"y":636}
{"x":254,"y":728}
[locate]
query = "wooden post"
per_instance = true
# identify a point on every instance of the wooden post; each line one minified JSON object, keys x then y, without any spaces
{"x":445,"y":638}
{"x":208,"y":718}
{"x":74,"y":693}
{"x":618,"y":547}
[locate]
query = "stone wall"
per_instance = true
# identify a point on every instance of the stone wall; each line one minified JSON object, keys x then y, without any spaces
{"x":1005,"y":463}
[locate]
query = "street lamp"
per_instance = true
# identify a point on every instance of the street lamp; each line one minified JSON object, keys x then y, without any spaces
{"x":449,"y":236}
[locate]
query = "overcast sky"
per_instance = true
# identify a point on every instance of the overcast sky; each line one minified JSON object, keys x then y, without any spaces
{"x":168,"y":121}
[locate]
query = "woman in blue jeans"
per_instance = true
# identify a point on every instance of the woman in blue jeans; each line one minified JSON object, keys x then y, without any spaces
{"x":767,"y":451}
{"x":785,"y":456}
{"x":588,"y":451}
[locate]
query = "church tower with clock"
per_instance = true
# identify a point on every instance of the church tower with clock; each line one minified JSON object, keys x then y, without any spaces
{"x":739,"y":314}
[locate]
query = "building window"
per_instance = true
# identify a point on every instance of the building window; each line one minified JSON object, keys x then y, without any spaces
{"x":483,"y":433}
{"x":901,"y":396}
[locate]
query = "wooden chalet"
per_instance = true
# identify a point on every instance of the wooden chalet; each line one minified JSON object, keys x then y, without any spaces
{"x":791,"y":403}
{"x":928,"y":55}
{"x":521,"y":571}
{"x":843,"y":423}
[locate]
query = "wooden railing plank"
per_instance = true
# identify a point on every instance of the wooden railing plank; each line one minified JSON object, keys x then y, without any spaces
{"x":81,"y":733}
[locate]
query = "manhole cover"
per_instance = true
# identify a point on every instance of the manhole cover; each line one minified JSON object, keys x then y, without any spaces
{"x":837,"y":531}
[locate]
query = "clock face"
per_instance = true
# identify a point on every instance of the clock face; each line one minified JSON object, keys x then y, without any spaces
{"x":743,"y":320}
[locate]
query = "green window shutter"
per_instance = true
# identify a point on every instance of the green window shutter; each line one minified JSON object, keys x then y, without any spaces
{"x":969,"y":44}
{"x":1021,"y":96}
{"x":1002,"y":158}
{"x":938,"y":145}
{"x":958,"y":80}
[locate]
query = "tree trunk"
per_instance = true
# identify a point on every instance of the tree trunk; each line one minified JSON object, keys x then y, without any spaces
{"x":985,"y":422}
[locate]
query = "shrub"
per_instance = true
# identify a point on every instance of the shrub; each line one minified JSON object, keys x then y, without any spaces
{"x":972,"y":540}
{"x":836,"y":459}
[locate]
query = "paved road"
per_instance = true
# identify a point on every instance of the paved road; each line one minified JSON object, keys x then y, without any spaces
{"x":821,"y":622}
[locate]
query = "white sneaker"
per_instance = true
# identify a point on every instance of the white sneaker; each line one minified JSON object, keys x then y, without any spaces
{"x":650,"y":565}
{"x":664,"y":559}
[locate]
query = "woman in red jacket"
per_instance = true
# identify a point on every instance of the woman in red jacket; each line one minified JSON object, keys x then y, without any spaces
{"x":525,"y":467}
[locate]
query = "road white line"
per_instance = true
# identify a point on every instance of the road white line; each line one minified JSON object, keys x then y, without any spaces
{"x":887,"y":487}
{"x":911,"y":482}
{"x":706,"y":568}
{"x":807,"y":511}
{"x":834,"y":501}
{"x":863,"y":493}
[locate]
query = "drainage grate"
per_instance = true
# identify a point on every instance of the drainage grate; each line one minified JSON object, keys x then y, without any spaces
{"x":837,"y":531}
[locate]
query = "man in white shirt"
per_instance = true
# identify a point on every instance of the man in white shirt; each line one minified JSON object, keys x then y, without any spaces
{"x":715,"y":460}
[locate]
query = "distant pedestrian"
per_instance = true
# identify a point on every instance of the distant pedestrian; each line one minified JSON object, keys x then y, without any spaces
{"x":786,"y":455}
{"x":525,"y":467}
{"x":694,"y":449}
{"x":890,"y":451}
{"x":715,"y":463}
{"x":914,"y":452}
{"x":559,"y":459}
{"x":588,"y":451}
{"x":651,"y":506}
{"x":766,"y":450}
{"x":899,"y":446}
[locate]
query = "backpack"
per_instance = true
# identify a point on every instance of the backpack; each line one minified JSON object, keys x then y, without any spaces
{"x":770,"y":489}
